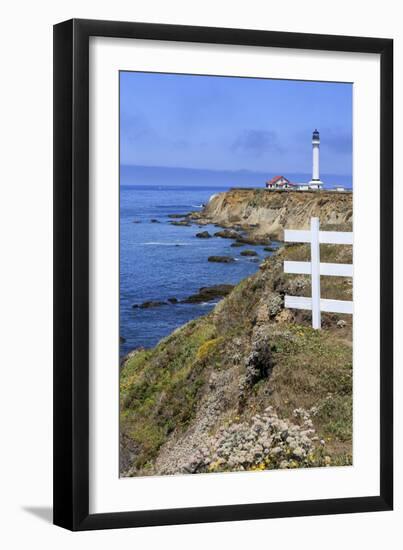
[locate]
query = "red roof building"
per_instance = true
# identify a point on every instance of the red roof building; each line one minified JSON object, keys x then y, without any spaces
{"x":279,"y":182}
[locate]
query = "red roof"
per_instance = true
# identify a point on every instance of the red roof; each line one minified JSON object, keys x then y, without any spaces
{"x":276,"y":178}
{"x":275,"y":181}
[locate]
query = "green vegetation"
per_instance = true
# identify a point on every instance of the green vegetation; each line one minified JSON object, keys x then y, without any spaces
{"x":159,"y":388}
{"x":313,"y":369}
{"x":196,"y":380}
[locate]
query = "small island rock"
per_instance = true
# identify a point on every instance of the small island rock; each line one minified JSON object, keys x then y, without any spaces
{"x":149,"y":304}
{"x":203,"y":235}
{"x":255,"y":240}
{"x":248,"y":252}
{"x":221,"y":259}
{"x":208,"y":293}
{"x":181,"y":222}
{"x":227,"y":234}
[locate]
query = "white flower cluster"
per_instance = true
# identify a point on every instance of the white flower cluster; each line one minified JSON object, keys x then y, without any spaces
{"x":266,"y":442}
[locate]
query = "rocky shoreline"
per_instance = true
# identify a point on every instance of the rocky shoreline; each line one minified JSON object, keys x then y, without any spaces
{"x":259,"y":215}
{"x":256,"y":217}
{"x":204,"y":294}
{"x":241,"y":235}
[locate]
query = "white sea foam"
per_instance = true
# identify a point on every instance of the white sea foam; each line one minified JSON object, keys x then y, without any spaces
{"x":213,"y":196}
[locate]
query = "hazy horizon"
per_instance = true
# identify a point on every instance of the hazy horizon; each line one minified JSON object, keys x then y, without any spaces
{"x":132,"y":174}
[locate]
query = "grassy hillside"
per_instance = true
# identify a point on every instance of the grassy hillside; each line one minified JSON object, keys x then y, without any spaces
{"x":249,"y":386}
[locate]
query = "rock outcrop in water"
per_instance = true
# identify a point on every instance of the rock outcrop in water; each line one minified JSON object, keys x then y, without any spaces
{"x":208,"y":293}
{"x":266,"y":213}
{"x":249,"y":253}
{"x":149,"y":304}
{"x":221,"y":259}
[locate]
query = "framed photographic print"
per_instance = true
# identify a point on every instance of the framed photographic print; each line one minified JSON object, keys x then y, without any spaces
{"x":223,"y":322}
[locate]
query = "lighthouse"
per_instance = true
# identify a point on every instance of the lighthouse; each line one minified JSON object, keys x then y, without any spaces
{"x":315,"y":182}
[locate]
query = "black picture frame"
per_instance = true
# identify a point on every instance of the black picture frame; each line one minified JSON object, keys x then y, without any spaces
{"x":71,"y":274}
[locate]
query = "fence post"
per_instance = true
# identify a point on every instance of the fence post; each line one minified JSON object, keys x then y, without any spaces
{"x":315,"y":273}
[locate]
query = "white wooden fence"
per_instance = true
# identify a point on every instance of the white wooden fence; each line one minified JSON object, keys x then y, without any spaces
{"x":315,"y":268}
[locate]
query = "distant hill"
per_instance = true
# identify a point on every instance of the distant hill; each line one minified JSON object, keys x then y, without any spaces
{"x":173,"y":176}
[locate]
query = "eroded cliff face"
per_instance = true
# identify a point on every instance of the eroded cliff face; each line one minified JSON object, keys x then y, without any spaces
{"x":270,"y":212}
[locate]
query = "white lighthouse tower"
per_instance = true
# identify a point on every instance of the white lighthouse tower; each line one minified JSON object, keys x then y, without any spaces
{"x":315,"y":182}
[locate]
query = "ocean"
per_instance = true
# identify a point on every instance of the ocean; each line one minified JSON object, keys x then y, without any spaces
{"x":159,"y":261}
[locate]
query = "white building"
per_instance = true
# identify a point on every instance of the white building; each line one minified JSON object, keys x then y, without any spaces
{"x":279,"y":183}
{"x":315,"y":182}
{"x":303,"y":187}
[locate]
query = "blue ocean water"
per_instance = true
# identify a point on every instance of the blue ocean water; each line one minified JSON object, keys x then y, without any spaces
{"x":160,"y":261}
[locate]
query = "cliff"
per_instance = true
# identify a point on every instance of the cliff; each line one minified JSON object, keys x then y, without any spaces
{"x":268,"y":213}
{"x":251,"y":385}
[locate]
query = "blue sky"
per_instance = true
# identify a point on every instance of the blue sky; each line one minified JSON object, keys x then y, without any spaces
{"x":229,"y":123}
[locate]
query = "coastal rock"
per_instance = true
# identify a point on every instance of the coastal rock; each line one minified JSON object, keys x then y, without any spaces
{"x":176,"y":215}
{"x":154,"y":221}
{"x":269,"y":248}
{"x":173,"y":300}
{"x":259,"y":362}
{"x":136,"y":221}
{"x":237,"y":245}
{"x":274,"y":303}
{"x":203,"y":235}
{"x":149,"y":304}
{"x":181,"y":222}
{"x":128,"y":452}
{"x":195,"y":215}
{"x":227,"y":234}
{"x":248,"y":252}
{"x":285,"y":316}
{"x":208,"y":293}
{"x":122,"y":340}
{"x":255,"y":240}
{"x":269,"y":213}
{"x":221,"y":259}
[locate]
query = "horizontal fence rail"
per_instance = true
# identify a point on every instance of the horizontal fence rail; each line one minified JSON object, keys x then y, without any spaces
{"x":304,"y":268}
{"x":325,"y":237}
{"x":330,"y":306}
{"x":315,"y":269}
